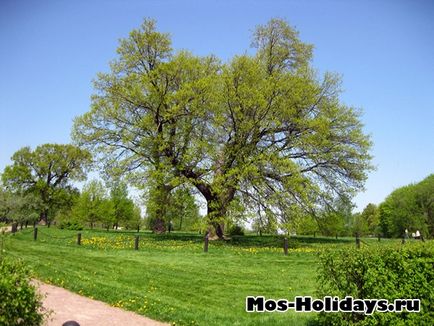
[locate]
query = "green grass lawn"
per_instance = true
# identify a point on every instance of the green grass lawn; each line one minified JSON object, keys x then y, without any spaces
{"x":171,"y":279}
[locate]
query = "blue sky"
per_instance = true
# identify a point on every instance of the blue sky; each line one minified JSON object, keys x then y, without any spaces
{"x":51,"y":50}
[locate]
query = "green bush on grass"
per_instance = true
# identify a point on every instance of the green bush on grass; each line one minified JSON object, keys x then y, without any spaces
{"x":374,"y":272}
{"x":19,"y":303}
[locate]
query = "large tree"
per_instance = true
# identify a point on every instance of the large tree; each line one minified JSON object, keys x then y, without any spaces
{"x":146,"y":111}
{"x":261,"y":128}
{"x":46,"y":173}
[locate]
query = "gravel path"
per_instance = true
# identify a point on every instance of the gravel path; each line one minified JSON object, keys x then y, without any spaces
{"x":87,"y":312}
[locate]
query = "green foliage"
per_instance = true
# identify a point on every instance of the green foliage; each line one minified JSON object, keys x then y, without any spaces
{"x":67,"y":220}
{"x":370,"y":218}
{"x":45,"y":173}
{"x":182,"y":210}
{"x":157,"y":203}
{"x":337,"y":219}
{"x":425,"y":200}
{"x":236,"y":230}
{"x":263,"y":127}
{"x":308,"y":226}
{"x":124,"y":210}
{"x":410,"y":207}
{"x":93,"y":205}
{"x":18,"y":207}
{"x":20,"y":304}
{"x":71,"y":225}
{"x":135,"y":221}
{"x":400,"y":272}
{"x":265,"y":223}
{"x":360,"y":225}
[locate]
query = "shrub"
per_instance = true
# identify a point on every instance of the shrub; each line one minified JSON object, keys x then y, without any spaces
{"x":70,"y":225}
{"x":19,"y":304}
{"x":236,"y":230}
{"x":405,"y":272}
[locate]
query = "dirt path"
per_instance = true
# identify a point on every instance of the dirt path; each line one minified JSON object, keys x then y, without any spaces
{"x":87,"y":312}
{"x":6,"y":229}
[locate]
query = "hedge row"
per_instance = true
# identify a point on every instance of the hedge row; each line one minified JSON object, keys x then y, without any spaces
{"x":399,"y":272}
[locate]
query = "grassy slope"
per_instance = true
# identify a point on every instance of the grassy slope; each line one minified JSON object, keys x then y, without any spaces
{"x":172,"y":280}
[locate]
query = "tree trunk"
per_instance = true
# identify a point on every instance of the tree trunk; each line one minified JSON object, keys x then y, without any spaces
{"x":159,"y":199}
{"x":219,"y":229}
{"x":216,"y":213}
{"x":216,"y":203}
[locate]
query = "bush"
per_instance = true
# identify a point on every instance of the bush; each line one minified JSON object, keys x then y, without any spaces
{"x":70,"y":225}
{"x":236,"y":230}
{"x":19,"y":304}
{"x":405,"y":272}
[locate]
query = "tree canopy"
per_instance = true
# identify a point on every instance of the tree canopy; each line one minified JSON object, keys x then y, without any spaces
{"x":94,"y":205}
{"x":46,"y":173}
{"x":262,"y":129}
{"x":410,"y":207}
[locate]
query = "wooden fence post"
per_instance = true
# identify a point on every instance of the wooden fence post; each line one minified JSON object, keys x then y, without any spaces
{"x":136,"y":243}
{"x":79,"y":239}
{"x":205,"y":246}
{"x":14,"y":227}
{"x":285,"y":246}
{"x":357,"y":240}
{"x":35,"y":233}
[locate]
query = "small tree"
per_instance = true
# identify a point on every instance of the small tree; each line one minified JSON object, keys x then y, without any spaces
{"x":123,"y":207}
{"x":182,"y":209}
{"x":371,"y":217}
{"x":93,"y":205}
{"x":135,"y":221}
{"x":360,"y":225}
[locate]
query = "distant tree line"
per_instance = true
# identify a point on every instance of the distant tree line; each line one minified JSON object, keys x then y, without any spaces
{"x":408,"y":208}
{"x":37,"y":187}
